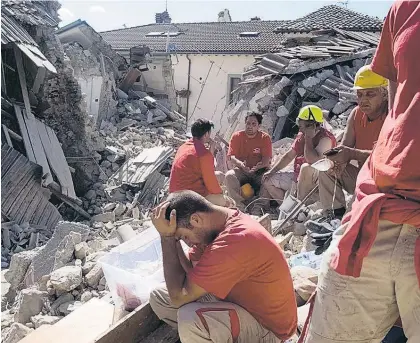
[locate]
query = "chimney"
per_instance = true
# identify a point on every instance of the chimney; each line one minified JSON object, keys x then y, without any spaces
{"x":163,"y":18}
{"x":224,"y":16}
{"x":255,"y":19}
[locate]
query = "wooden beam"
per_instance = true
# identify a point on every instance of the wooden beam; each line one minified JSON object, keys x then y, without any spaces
{"x":39,"y":79}
{"x":23,"y":130}
{"x":132,"y":328}
{"x":69,"y":201}
{"x":6,"y":135}
{"x":3,"y":79}
{"x":265,"y":221}
{"x":22,"y":80}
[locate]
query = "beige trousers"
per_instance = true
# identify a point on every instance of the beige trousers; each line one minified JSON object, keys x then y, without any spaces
{"x":346,"y":181}
{"x":210,"y":320}
{"x":364,"y":309}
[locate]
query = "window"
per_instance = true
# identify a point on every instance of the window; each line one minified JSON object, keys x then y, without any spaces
{"x":172,"y":34}
{"x":249,"y":34}
{"x":233,"y":84}
{"x":154,"y":34}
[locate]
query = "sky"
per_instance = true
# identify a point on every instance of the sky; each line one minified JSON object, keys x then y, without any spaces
{"x":117,"y":14}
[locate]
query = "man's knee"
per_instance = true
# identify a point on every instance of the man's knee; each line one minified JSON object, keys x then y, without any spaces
{"x":187,"y":318}
{"x":220,"y":177}
{"x":230,"y":176}
{"x":159,"y":302}
{"x":305,"y":170}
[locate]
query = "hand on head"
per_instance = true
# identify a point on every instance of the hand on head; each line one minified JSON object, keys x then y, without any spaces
{"x":166,"y":228}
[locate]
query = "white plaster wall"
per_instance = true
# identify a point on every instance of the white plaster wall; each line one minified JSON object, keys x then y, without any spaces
{"x":91,"y":87}
{"x":213,"y":98}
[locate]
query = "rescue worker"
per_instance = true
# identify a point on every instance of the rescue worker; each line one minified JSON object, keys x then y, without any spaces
{"x":250,"y":151}
{"x":193,"y":166}
{"x":362,"y":131}
{"x":235,"y":284}
{"x":370,"y":274}
{"x":308,"y":147}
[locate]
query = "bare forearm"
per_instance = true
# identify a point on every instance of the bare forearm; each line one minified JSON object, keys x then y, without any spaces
{"x":185,"y":262}
{"x":311,"y":155}
{"x":359,"y":155}
{"x":172,"y":268}
{"x":235,"y":161}
{"x":283,"y":162}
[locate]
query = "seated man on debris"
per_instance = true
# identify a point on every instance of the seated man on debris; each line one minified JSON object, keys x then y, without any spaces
{"x":235,"y":284}
{"x":250,"y":151}
{"x":193,"y":166}
{"x":363,"y":127}
{"x":309,"y":146}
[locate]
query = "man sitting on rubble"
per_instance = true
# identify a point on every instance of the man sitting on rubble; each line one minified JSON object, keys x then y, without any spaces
{"x":309,"y":146}
{"x":250,"y":151}
{"x":363,"y":127}
{"x":193,"y":166}
{"x":235,"y":285}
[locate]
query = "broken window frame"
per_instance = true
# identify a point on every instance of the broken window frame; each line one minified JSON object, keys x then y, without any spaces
{"x":232,"y":96}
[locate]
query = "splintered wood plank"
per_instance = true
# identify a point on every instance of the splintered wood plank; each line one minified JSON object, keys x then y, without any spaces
{"x":132,"y":328}
{"x":82,"y":326}
{"x":25,"y":135}
{"x":22,"y":80}
{"x":40,"y":156}
{"x":56,"y":159}
{"x":6,"y":135}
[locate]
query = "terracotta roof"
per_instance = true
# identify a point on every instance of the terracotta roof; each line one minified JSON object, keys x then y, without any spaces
{"x":211,"y":37}
{"x":333,"y":16}
{"x":219,"y":38}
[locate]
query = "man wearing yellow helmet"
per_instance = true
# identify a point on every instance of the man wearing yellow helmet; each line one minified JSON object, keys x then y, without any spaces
{"x":309,"y":146}
{"x":362,"y":131}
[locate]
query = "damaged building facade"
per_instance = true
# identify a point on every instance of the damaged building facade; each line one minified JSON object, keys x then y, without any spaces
{"x":208,"y":59}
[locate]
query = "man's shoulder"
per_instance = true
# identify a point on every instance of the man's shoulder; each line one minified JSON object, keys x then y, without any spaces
{"x":265,"y":135}
{"x":238,"y":134}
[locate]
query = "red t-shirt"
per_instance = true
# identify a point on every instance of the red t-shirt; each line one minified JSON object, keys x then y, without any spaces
{"x":193,"y":169}
{"x":388,"y":185}
{"x":299,"y":147}
{"x":250,"y":150}
{"x":244,"y":265}
{"x":366,"y":132}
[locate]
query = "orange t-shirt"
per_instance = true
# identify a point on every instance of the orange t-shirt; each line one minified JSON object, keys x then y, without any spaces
{"x":250,"y":150}
{"x":388,"y":185}
{"x":193,"y":169}
{"x":244,"y":265}
{"x":365,"y":131}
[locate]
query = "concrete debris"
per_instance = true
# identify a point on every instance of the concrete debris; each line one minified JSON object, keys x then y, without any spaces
{"x":94,"y":275}
{"x":86,"y":296}
{"x":29,"y":303}
{"x":39,"y":320}
{"x":18,"y":267}
{"x":62,"y":299}
{"x":66,"y":279}
{"x":16,"y":332}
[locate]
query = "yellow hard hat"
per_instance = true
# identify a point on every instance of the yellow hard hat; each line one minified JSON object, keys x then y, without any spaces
{"x":247,"y":191}
{"x":311,"y":112}
{"x":365,"y":78}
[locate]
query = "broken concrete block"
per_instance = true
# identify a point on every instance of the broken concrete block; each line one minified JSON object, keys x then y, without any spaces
{"x":121,"y":94}
{"x":30,"y":303}
{"x":81,"y":250}
{"x":126,"y":232}
{"x":301,"y":91}
{"x":86,"y":296}
{"x":19,"y":265}
{"x":66,"y":278}
{"x":93,"y":277}
{"x":109,"y":207}
{"x":65,"y":308}
{"x":57,"y":252}
{"x":282,"y":112}
{"x":104,"y":217}
{"x":310,"y":82}
{"x":120,"y":209}
{"x":16,"y":333}
{"x":279,"y":86}
{"x":64,"y":298}
{"x":341,"y":106}
{"x":87,"y":267}
{"x":42,"y":283}
{"x":40,"y":319}
{"x":305,"y":280}
{"x":283,"y":240}
{"x":91,"y":194}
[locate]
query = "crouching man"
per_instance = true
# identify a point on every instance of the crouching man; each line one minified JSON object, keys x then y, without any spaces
{"x":235,"y":285}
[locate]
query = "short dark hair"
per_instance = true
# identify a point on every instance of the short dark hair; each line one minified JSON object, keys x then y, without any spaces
{"x":200,"y":127}
{"x":258,"y":116}
{"x":186,"y":203}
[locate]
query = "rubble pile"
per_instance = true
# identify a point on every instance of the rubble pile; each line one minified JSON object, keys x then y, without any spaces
{"x":49,"y":282}
{"x":318,"y":68}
